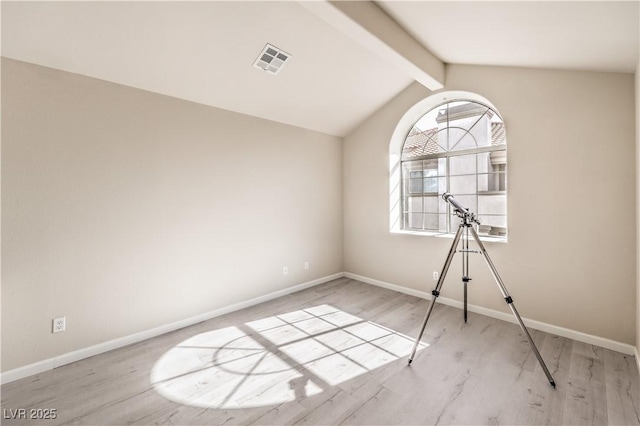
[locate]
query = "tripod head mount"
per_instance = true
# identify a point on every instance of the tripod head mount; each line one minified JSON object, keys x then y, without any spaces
{"x":460,"y":211}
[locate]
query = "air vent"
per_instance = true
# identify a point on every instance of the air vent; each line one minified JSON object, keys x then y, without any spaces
{"x":271,"y":59}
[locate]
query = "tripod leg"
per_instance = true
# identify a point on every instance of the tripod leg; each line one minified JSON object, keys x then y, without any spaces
{"x":465,"y":300}
{"x":436,"y":292}
{"x":509,"y":301}
{"x":465,"y":267}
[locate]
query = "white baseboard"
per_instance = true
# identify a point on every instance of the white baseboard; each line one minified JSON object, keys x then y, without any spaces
{"x":537,"y":325}
{"x":51,"y":363}
{"x":67,"y":358}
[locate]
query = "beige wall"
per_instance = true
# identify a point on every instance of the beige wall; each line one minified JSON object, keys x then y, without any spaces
{"x":638,"y":209}
{"x":571,"y":256}
{"x":124,"y":210}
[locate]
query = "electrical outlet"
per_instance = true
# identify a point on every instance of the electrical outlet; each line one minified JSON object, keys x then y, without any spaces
{"x":435,"y":275}
{"x":59,"y":324}
{"x":285,"y":270}
{"x":306,"y":264}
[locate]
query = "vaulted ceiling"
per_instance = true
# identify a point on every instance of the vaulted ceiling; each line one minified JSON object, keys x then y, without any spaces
{"x":579,"y":35}
{"x":347,"y":58}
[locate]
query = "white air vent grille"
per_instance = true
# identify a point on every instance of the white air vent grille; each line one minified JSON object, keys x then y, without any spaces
{"x":271,"y":59}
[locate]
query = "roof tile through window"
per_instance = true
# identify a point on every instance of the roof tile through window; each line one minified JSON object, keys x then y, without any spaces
{"x":425,"y":142}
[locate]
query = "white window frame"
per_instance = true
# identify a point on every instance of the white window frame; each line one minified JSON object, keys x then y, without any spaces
{"x":395,"y":154}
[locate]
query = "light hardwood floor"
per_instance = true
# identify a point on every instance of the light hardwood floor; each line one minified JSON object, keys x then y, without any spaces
{"x":337,"y":354}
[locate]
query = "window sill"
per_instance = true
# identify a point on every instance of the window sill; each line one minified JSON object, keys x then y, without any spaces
{"x":492,"y":192}
{"x":483,"y":238}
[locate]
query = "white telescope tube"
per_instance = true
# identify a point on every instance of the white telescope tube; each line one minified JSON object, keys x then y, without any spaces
{"x":451,"y":200}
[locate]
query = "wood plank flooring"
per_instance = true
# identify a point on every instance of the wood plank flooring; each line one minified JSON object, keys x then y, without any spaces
{"x":337,"y":354}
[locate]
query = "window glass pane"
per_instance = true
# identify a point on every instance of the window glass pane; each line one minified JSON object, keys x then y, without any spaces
{"x":466,"y":115}
{"x":428,"y":121}
{"x":412,"y":177}
{"x":497,"y":158}
{"x":484,"y":182}
{"x":501,"y":181}
{"x":462,"y":165}
{"x":498,"y":135}
{"x":452,"y":136}
{"x":423,"y":176}
{"x":462,"y":185}
{"x":420,"y":143}
{"x":442,"y":205}
{"x":442,"y":166}
{"x":413,"y":220}
{"x":414,"y":204}
{"x":492,"y":182}
{"x":462,"y":114}
{"x":493,"y":221}
{"x":430,"y":173}
{"x":415,"y":186}
{"x":464,"y":141}
{"x":430,"y":167}
{"x":430,"y":185}
{"x":442,"y":222}
{"x":467,"y":201}
{"x":409,"y":166}
{"x":433,"y":143}
{"x":494,"y":204}
{"x":492,"y":225}
{"x":484,"y":162}
{"x":431,"y":205}
{"x":432,"y":222}
{"x":442,"y":185}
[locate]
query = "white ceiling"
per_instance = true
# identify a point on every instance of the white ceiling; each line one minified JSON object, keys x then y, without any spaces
{"x":204,"y":51}
{"x":579,"y":35}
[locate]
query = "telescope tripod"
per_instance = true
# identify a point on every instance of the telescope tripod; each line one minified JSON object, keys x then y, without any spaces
{"x":465,"y":227}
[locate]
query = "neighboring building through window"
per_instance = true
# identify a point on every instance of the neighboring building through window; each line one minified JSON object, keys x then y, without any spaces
{"x":458,"y":147}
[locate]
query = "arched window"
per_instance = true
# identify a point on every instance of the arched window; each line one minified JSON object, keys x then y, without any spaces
{"x":460,"y":147}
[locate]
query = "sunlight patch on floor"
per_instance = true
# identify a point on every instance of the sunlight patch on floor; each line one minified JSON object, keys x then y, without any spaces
{"x":275,"y":359}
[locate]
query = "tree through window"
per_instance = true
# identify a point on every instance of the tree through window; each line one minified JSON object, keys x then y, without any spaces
{"x":458,"y":147}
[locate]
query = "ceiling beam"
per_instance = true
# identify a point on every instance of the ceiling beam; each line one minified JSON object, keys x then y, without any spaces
{"x":370,"y":26}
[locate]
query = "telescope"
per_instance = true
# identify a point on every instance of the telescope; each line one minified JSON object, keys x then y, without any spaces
{"x":452,"y":200}
{"x":462,"y":234}
{"x":459,"y":209}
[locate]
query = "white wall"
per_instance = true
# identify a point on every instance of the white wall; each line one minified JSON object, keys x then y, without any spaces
{"x":124,"y":210}
{"x":571,"y":256}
